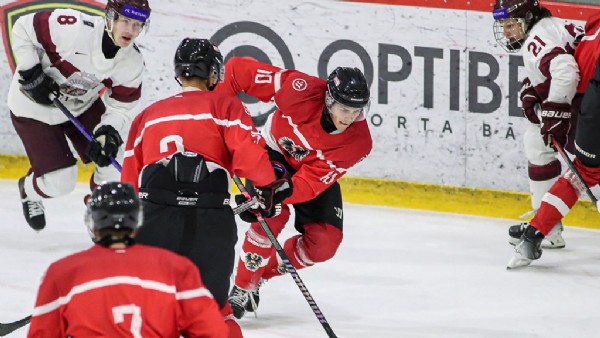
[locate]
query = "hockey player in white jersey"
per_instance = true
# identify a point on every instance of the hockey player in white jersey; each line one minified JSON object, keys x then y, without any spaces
{"x":548,"y":94}
{"x":92,"y":65}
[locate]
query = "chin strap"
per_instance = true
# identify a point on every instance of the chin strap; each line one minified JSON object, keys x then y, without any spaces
{"x":108,"y":240}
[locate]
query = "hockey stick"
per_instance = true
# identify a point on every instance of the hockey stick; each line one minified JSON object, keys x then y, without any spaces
{"x":244,"y":206}
{"x":288,"y":265}
{"x":580,"y":180}
{"x":6,"y":328}
{"x":10,"y":327}
{"x":81,"y":128}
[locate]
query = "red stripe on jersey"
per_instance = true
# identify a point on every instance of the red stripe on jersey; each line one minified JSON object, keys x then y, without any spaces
{"x":126,"y":94}
{"x":41,"y":23}
{"x":122,"y":93}
{"x":544,"y":172}
{"x":546,"y":59}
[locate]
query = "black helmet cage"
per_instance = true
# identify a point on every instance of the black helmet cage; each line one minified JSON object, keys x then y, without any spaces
{"x":199,"y":58}
{"x":348,"y":86}
{"x":113,"y":205}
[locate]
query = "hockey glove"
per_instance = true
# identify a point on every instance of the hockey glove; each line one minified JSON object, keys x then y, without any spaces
{"x":556,"y":122}
{"x":269,"y":196}
{"x":529,"y":101}
{"x":105,"y":145}
{"x":38,"y":86}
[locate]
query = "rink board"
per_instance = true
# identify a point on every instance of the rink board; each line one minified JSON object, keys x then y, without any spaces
{"x":401,"y":194}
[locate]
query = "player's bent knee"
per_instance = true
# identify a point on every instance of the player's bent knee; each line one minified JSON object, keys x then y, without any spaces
{"x":536,"y":151}
{"x":321,"y":241}
{"x":58,"y":182}
{"x":276,"y":224}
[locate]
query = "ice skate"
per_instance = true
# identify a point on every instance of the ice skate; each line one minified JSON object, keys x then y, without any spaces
{"x":527,"y":249}
{"x":243,"y":301}
{"x":32,"y":210}
{"x":554,"y":240}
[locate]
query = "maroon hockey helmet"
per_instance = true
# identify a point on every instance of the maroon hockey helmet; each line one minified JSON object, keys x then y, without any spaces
{"x":512,"y":21}
{"x":515,"y":9}
{"x":133,"y":9}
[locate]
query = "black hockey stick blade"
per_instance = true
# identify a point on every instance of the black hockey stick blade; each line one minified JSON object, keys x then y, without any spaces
{"x":7,"y":328}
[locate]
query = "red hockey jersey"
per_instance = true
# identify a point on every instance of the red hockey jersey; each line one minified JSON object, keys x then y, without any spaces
{"x":139,"y":291}
{"x":215,"y":126}
{"x":294,"y":129}
{"x":587,"y":51}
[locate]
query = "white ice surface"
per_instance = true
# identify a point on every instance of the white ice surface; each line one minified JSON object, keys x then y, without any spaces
{"x":398,"y":273}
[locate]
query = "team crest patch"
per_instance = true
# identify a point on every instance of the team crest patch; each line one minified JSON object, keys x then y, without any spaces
{"x":252,"y":261}
{"x":299,"y":84}
{"x":296,"y":151}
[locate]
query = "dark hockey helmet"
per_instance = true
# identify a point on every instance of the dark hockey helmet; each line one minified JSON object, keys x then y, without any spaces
{"x":347,"y":86}
{"x":199,"y":58}
{"x":133,"y":9}
{"x":113,"y":205}
{"x":525,"y":12}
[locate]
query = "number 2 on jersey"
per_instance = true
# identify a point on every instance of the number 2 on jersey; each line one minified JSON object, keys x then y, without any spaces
{"x":533,"y":46}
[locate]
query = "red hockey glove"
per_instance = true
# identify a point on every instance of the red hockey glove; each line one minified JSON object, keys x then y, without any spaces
{"x":529,"y":101}
{"x":269,"y":196}
{"x":556,"y":122}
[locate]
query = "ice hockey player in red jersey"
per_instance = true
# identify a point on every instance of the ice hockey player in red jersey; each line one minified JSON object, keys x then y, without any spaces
{"x":118,"y":288}
{"x":318,"y":131}
{"x":181,"y":153}
{"x":548,"y":94}
{"x":561,"y":197}
{"x":75,"y":56}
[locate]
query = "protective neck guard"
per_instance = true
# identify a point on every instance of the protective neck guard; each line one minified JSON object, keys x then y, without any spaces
{"x":109,"y":49}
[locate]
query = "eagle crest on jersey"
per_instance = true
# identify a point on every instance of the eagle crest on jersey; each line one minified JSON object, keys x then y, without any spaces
{"x":296,"y":151}
{"x":252,"y":261}
{"x":79,"y":83}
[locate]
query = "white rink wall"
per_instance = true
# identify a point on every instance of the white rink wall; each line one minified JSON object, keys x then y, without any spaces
{"x":444,"y":95}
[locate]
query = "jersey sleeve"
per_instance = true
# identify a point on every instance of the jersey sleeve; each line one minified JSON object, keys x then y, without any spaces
{"x":564,"y":77}
{"x":316,"y":176}
{"x":246,"y":146}
{"x":200,"y":316}
{"x":307,"y":181}
{"x":133,"y":159}
{"x":53,"y":32}
{"x":550,"y":51}
{"x":123,"y":93}
{"x":47,"y":321}
{"x":244,"y":74}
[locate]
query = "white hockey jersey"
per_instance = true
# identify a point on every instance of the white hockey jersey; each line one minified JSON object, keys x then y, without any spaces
{"x":69,"y":45}
{"x":549,"y":61}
